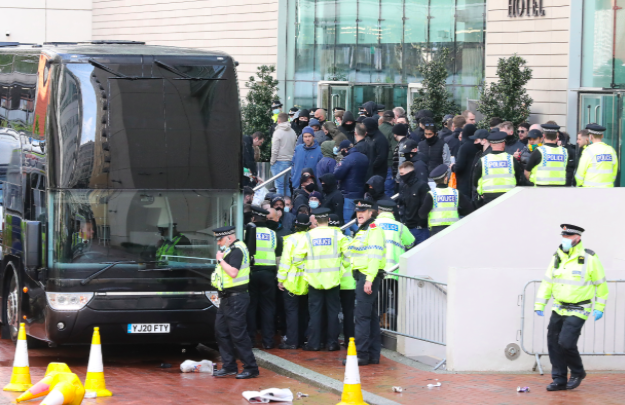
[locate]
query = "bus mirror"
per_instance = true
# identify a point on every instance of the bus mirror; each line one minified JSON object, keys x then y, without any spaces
{"x":32,"y":245}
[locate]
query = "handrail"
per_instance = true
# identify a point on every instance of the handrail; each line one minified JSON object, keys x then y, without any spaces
{"x":270,"y":180}
{"x":350,"y":223}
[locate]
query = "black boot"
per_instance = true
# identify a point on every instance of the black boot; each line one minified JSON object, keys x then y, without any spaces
{"x":556,"y":387}
{"x":574,"y":382}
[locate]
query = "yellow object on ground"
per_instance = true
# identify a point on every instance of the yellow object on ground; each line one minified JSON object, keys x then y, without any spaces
{"x":20,"y":378}
{"x":55,"y":381}
{"x":57,"y":367}
{"x":352,"y":392}
{"x":94,"y":383}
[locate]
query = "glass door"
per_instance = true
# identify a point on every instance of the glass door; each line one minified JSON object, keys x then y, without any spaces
{"x":605,"y":109}
{"x":340,"y":96}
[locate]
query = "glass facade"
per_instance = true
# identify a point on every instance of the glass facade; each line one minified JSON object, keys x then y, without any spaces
{"x":376,"y":45}
{"x":603,"y":44}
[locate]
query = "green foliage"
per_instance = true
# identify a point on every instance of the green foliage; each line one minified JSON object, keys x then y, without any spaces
{"x":256,"y":111}
{"x":507,"y":98}
{"x":434,"y":95}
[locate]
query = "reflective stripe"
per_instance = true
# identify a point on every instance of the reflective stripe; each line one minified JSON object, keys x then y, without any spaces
{"x":328,"y":270}
{"x":299,"y":274}
{"x":553,"y":179}
{"x":592,"y":183}
{"x":348,"y":274}
{"x":284,"y":266}
{"x":267,"y":262}
{"x":281,"y":277}
{"x":502,"y":187}
{"x":444,"y":209}
{"x":241,"y":279}
{"x":262,"y":249}
{"x":597,"y":171}
{"x":298,"y":258}
{"x":573,"y":282}
{"x":601,"y":300}
{"x":541,"y":301}
{"x":321,"y":257}
{"x":439,"y":220}
{"x":547,"y":279}
{"x":598,"y":282}
{"x":552,"y":169}
{"x":499,"y":176}
{"x":379,"y":257}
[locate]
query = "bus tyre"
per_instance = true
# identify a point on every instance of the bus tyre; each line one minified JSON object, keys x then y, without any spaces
{"x":12,"y":304}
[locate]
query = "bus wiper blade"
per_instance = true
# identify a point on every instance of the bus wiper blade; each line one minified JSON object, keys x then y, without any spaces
{"x":181,"y":74}
{"x":110,"y":266}
{"x":111,"y":71}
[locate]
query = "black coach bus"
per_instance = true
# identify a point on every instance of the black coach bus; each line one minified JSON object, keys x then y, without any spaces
{"x":116,"y":161}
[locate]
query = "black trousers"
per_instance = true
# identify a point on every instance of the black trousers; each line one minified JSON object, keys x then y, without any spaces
{"x":316,"y":300}
{"x":562,"y":336}
{"x":231,"y":333}
{"x":262,"y":289}
{"x":368,"y":337}
{"x":296,"y":314}
{"x":348,"y":302}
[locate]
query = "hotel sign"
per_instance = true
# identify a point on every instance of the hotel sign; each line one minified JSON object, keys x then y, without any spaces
{"x":525,"y":8}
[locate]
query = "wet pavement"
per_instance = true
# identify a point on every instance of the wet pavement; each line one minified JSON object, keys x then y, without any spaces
{"x":478,"y":389}
{"x":135,"y":376}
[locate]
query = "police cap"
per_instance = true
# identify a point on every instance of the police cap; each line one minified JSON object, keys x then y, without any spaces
{"x":386,"y":205}
{"x":479,"y":134}
{"x":293,"y":110}
{"x":496,"y":136}
{"x":550,"y":128}
{"x":277,"y":198}
{"x":248,"y":190}
{"x":595,"y":129}
{"x":439,"y":172}
{"x":276,"y":104}
{"x":338,"y":109}
{"x":302,"y":220}
{"x":388,"y":114}
{"x":258,"y":211}
{"x":534,"y":133}
{"x":408,"y":146}
{"x":568,"y":229}
{"x":321,"y":212}
{"x":364,"y":205}
{"x":224,"y":231}
{"x":334,"y":220}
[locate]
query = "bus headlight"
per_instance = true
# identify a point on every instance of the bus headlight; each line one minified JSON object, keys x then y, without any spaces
{"x":213,"y":297}
{"x":68,"y":301}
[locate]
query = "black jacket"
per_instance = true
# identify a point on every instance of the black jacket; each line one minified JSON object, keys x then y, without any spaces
{"x":379,"y":149}
{"x":333,"y":198}
{"x":366,"y":148}
{"x":444,"y":133}
{"x":420,"y":162}
{"x":300,"y":197}
{"x":248,"y":154}
{"x":453,"y":142}
{"x":295,"y":123}
{"x":464,"y":163}
{"x":396,"y":158}
{"x":417,"y":135}
{"x":434,"y":151}
{"x":348,"y":130}
{"x":375,"y":189}
{"x":412,"y":192}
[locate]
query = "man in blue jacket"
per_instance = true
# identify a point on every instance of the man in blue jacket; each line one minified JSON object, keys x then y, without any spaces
{"x":351,"y":172}
{"x":306,"y":155}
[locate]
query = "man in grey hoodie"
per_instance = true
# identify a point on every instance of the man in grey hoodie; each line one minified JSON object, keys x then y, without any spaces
{"x":282,"y":148}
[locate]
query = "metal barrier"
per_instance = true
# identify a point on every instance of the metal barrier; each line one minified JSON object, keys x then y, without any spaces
{"x":414,"y":307}
{"x":271,"y":179}
{"x":605,"y":337}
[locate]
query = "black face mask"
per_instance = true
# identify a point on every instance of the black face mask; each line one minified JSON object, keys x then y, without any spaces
{"x":325,"y":188}
{"x":510,"y":139}
{"x":310,"y":187}
{"x":302,"y":124}
{"x":273,"y":225}
{"x":344,"y":152}
{"x":478,"y":146}
{"x":431,"y":141}
{"x":279,"y":209}
{"x":349,"y":127}
{"x":407,"y":177}
{"x":408,"y":155}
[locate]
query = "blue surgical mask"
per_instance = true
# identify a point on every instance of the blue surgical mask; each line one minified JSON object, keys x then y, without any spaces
{"x":276,"y":111}
{"x":223,"y":248}
{"x":287,"y":209}
{"x":313,"y":204}
{"x":567,"y":244}
{"x":335,"y":150}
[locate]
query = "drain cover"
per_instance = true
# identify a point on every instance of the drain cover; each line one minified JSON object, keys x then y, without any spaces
{"x":513,"y":351}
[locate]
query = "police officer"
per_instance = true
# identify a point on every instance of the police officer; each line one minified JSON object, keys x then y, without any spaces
{"x":324,"y":254}
{"x":264,"y":246}
{"x":348,"y":288}
{"x":497,"y":172}
{"x":171,"y":238}
{"x":293,"y":285}
{"x":231,"y":278}
{"x":572,"y":277}
{"x":398,"y":238}
{"x":550,"y":164}
{"x":367,"y":254}
{"x":598,"y":164}
{"x":444,"y":205}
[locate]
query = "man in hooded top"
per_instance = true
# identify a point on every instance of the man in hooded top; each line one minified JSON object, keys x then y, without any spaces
{"x":348,"y":125}
{"x":300,"y":122}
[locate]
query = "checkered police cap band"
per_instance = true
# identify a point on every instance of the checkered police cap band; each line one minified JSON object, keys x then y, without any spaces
{"x":225,"y":233}
{"x":594,"y":132}
{"x":550,"y":130}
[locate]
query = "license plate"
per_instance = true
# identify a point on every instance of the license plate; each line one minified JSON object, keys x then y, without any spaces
{"x":148,"y":328}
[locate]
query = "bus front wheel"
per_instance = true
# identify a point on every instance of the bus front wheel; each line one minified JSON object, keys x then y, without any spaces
{"x":12,"y":304}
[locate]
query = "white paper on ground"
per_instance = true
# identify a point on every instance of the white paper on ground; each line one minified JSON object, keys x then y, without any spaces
{"x":270,"y":394}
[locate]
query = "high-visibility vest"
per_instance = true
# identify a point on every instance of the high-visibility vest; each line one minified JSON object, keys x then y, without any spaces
{"x":367,"y":251}
{"x":444,"y":207}
{"x":497,"y":174}
{"x":222,"y":280}
{"x":348,"y":282}
{"x":168,"y":248}
{"x":324,"y":256}
{"x":266,"y":244}
{"x":291,"y":270}
{"x":552,"y":169}
{"x":597,"y":167}
{"x":397,"y":237}
{"x":577,"y":276}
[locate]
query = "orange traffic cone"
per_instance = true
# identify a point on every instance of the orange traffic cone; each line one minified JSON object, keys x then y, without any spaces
{"x":94,"y":383}
{"x":352,"y":392}
{"x":20,"y":378}
{"x":55,"y":373}
{"x":57,"y":367}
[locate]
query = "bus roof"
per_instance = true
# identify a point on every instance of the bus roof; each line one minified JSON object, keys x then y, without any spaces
{"x":69,"y":52}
